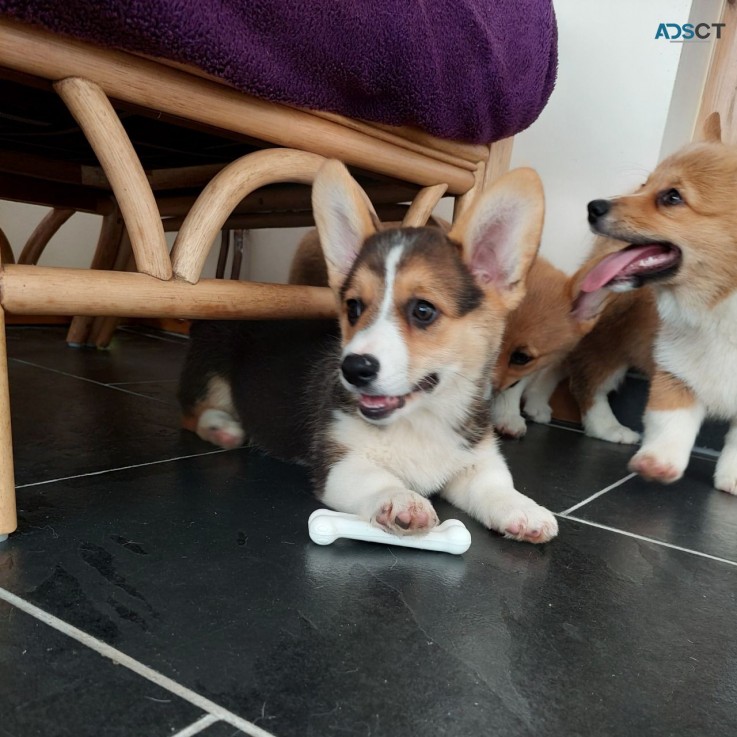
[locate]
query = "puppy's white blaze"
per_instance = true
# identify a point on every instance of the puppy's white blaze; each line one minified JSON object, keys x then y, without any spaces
{"x":383,"y":338}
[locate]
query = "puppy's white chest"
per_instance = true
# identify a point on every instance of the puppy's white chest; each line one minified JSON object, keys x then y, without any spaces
{"x":700,"y":347}
{"x":424,"y":457}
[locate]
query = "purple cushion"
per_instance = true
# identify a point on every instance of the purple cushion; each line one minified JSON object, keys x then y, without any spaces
{"x":467,"y":70}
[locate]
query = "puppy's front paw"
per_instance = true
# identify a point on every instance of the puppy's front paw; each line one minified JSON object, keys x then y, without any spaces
{"x":405,"y":513}
{"x":529,"y":522}
{"x":656,"y":468}
{"x":510,"y":425}
{"x":538,"y":412}
{"x":613,"y":433}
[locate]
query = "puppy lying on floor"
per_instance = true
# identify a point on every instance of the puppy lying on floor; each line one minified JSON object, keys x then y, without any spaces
{"x":682,"y":230}
{"x":558,"y":332}
{"x":397,"y":407}
{"x":540,"y":334}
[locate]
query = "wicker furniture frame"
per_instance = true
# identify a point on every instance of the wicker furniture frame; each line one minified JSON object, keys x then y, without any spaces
{"x":291,"y":143}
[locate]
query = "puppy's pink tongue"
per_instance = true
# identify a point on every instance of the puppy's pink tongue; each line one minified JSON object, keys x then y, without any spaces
{"x":379,"y":401}
{"x":623,"y":263}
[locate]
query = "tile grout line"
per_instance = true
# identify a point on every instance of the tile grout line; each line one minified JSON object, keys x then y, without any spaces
{"x":197,"y":727}
{"x":561,"y":426}
{"x":647,"y":539}
{"x":89,"y":381}
{"x":598,"y":494}
{"x":179,"y":340}
{"x":145,"y":381}
{"x":124,"y":468}
{"x":119,"y":657}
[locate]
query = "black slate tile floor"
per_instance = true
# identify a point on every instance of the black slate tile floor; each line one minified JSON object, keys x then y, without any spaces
{"x":155,"y":587}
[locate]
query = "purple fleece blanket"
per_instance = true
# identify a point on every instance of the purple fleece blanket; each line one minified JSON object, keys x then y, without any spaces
{"x":467,"y":70}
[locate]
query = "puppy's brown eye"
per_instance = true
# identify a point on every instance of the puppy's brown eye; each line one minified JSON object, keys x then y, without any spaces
{"x":519,"y":358}
{"x":422,"y":313}
{"x":353,"y":310}
{"x":670,"y":198}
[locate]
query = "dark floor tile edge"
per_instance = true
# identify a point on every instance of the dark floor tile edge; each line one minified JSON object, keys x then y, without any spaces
{"x":597,"y":494}
{"x":84,"y":378}
{"x":126,"y":468}
{"x":708,"y":454}
{"x":643,"y":538}
{"x":120,"y":658}
{"x":166,"y":335}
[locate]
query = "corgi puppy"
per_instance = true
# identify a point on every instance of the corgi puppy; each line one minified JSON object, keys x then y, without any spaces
{"x":391,"y":405}
{"x":538,"y":337}
{"x":592,"y":338}
{"x":681,"y":227}
{"x":212,"y":413}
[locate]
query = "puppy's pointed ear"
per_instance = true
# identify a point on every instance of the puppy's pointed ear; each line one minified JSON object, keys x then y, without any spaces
{"x":500,"y":233}
{"x":344,"y":218}
{"x":711,"y":128}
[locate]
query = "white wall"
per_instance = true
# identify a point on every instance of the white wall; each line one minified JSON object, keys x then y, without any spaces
{"x":601,"y":132}
{"x":620,"y":100}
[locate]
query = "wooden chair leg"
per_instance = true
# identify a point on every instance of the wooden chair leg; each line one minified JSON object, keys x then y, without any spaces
{"x":42,"y":234}
{"x":241,"y":246}
{"x":223,"y":255}
{"x":103,"y":331}
{"x":103,"y":328}
{"x":8,"y":519}
{"x":106,"y":252}
{"x":497,"y":163}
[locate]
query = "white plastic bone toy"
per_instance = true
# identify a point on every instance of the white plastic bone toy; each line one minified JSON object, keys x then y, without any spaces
{"x":326,"y":527}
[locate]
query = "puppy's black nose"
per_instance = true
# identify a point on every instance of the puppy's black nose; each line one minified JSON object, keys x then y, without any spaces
{"x":360,"y":369}
{"x":598,"y":208}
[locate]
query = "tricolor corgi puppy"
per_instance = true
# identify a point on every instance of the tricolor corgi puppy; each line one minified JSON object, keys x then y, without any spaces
{"x":682,"y":230}
{"x":212,"y":415}
{"x":393,"y":406}
{"x":539,"y":335}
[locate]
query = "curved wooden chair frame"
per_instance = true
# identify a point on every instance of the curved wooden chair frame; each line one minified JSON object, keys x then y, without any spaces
{"x":169,"y":285}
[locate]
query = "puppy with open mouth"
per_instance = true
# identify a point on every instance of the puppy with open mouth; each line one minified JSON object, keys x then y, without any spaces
{"x":681,"y":231}
{"x":391,"y":405}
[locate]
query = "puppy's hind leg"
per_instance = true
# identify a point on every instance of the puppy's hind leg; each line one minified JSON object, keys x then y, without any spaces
{"x":214,"y":417}
{"x":219,"y":427}
{"x":359,"y":486}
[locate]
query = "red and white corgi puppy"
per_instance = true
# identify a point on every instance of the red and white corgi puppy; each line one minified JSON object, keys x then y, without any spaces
{"x":393,"y":406}
{"x":682,"y":230}
{"x":558,"y":332}
{"x":539,"y":335}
